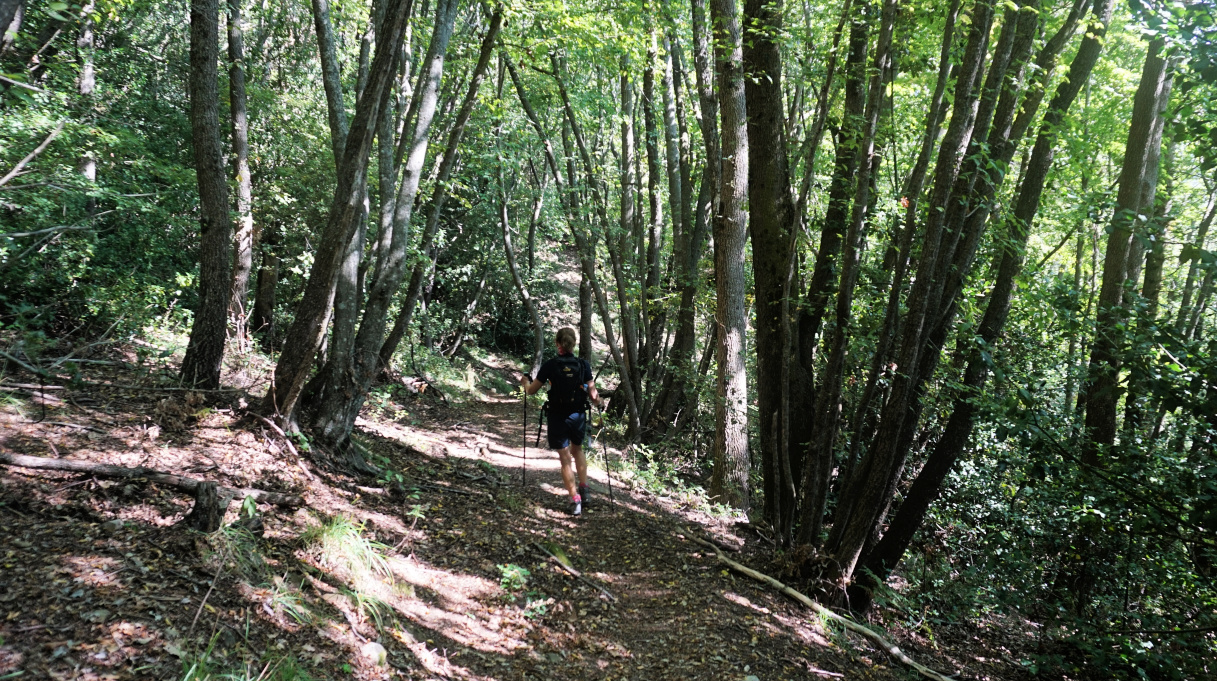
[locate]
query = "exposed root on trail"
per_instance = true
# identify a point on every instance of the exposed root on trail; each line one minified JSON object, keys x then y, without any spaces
{"x":891,"y":648}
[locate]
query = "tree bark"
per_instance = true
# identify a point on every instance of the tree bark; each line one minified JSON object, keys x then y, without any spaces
{"x":427,"y":98}
{"x":882,"y":559}
{"x":538,"y":343}
{"x":863,"y":497}
{"x":729,"y":480}
{"x":242,"y":260}
{"x":263,"y":321}
{"x":205,"y":351}
{"x":772,"y":220}
{"x":620,"y":247}
{"x":1144,"y":138}
{"x":207,"y":515}
{"x":828,"y":407}
{"x":304,"y":336}
{"x":586,"y":247}
{"x":336,"y":417}
{"x":652,"y":312}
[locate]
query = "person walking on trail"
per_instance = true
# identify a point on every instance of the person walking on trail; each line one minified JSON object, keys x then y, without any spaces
{"x":571,"y":385}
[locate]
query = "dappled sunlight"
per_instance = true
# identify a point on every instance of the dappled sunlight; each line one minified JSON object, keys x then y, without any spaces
{"x":95,"y":571}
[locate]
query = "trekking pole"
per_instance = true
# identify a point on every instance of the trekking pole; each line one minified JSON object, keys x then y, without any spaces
{"x":524,"y":469}
{"x":608,"y":471}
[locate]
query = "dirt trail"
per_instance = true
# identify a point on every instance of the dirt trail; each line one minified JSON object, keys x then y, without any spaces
{"x":96,"y":582}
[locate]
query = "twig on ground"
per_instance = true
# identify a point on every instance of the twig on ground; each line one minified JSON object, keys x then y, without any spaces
{"x":109,"y":471}
{"x":575,"y":573}
{"x":223,"y":560}
{"x":849,"y":624}
{"x":286,"y":440}
{"x":73,"y":425}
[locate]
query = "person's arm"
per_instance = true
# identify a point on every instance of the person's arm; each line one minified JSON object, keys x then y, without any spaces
{"x":530,"y":387}
{"x":589,"y":384}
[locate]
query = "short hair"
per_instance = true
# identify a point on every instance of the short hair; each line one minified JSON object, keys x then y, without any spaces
{"x":566,"y":338}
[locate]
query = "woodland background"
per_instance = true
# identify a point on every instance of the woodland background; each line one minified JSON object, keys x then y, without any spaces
{"x":927,"y":290}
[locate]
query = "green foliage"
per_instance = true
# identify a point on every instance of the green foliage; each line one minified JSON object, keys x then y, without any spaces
{"x":514,"y":578}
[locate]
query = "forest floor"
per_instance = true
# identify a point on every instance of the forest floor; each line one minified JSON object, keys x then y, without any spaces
{"x":436,"y":571}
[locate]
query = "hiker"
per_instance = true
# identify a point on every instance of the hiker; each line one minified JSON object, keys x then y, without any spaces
{"x":570,"y":387}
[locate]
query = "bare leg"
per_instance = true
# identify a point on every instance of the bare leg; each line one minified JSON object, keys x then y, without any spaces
{"x":568,"y":476}
{"x":580,"y":464}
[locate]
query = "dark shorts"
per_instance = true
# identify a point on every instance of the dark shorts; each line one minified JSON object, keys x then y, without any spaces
{"x":564,"y":432}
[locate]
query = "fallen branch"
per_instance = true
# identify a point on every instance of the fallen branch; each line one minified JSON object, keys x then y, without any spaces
{"x":849,"y":624}
{"x":185,"y":484}
{"x":575,"y":573}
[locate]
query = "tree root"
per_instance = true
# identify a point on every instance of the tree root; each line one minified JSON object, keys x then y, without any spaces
{"x":849,"y":624}
{"x":189,"y":485}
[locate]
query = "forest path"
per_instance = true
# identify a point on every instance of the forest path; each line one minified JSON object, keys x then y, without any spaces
{"x":96,"y":582}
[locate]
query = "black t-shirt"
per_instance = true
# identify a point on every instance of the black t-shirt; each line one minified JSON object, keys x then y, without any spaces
{"x":561,"y":371}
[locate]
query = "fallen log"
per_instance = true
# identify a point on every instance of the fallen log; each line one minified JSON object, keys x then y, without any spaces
{"x":889,"y":647}
{"x":104,"y":470}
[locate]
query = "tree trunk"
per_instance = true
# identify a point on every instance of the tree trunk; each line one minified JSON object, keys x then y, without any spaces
{"x":242,"y":260}
{"x":426,"y":101}
{"x":1101,"y":388}
{"x":263,"y":321}
{"x":1193,"y":269}
{"x":841,"y":190}
{"x":331,"y":78}
{"x":729,"y":482}
{"x":585,"y":246}
{"x":772,"y":220}
{"x":621,"y":248}
{"x":828,"y":407}
{"x":10,"y":21}
{"x":863,"y":497}
{"x":208,"y":513}
{"x":336,"y":417}
{"x":538,"y":343}
{"x":304,"y":336}
{"x":882,"y":559}
{"x":652,"y":312}
{"x":689,"y":241}
{"x":201,"y":366}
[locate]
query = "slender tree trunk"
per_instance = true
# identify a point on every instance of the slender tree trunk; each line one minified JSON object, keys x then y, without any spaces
{"x":688,"y":244}
{"x":864,"y":498}
{"x":263,"y":319}
{"x":827,"y":415}
{"x":585,"y":246}
{"x":426,"y":101}
{"x":882,"y":559}
{"x":86,"y":85}
{"x":1193,"y":269}
{"x":538,"y":343}
{"x":304,"y":336}
{"x":621,"y":249}
{"x":336,"y":417}
{"x":462,"y":329}
{"x":10,"y":21}
{"x":772,"y":220}
{"x":729,"y":481}
{"x":205,"y":351}
{"x":331,"y":78}
{"x":652,"y":311}
{"x":841,"y":190}
{"x":1101,"y":389}
{"x":242,"y":260}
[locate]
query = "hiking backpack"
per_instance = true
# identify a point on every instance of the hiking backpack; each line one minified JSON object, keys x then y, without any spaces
{"x":566,"y":387}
